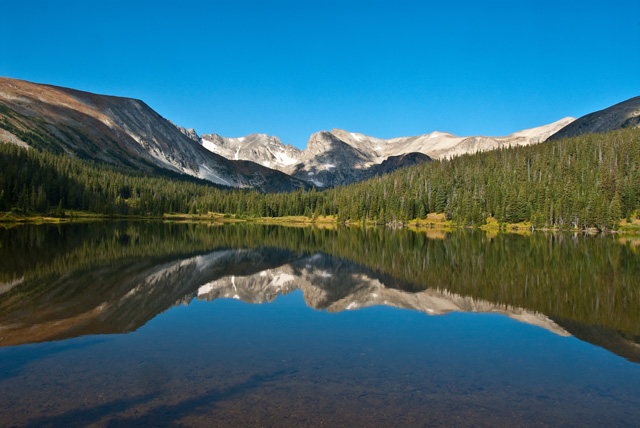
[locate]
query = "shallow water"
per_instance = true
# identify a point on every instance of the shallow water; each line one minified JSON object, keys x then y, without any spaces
{"x":148,"y":324}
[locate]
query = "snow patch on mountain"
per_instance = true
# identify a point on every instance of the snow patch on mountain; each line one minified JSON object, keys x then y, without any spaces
{"x":283,"y":158}
{"x":211,"y":146}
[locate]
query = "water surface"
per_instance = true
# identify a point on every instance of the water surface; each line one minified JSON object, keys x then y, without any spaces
{"x":153,"y":324}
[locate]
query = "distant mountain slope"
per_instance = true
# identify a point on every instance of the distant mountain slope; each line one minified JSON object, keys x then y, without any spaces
{"x":260,"y":148}
{"x":443,"y":144}
{"x":119,"y":131}
{"x":623,"y":115}
{"x":340,"y":157}
{"x":327,"y":161}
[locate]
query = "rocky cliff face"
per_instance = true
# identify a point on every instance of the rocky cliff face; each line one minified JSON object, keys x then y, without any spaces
{"x":340,"y":157}
{"x":332,"y":160}
{"x":120,"y":131}
{"x":329,"y":161}
{"x":623,"y":115}
{"x":443,"y":144}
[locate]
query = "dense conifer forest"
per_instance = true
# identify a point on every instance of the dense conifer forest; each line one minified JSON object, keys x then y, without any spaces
{"x":581,"y":182}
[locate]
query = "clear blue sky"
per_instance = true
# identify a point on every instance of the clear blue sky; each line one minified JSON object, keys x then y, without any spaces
{"x":292,"y":68}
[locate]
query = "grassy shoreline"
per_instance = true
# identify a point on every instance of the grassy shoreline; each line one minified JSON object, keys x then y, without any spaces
{"x":432,"y":221}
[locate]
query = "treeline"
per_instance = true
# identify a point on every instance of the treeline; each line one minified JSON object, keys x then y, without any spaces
{"x":581,"y":182}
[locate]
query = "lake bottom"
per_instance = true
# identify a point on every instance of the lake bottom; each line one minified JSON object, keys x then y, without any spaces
{"x":228,"y":363}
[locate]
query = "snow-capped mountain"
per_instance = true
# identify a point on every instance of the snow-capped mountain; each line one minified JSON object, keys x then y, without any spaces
{"x":340,"y":157}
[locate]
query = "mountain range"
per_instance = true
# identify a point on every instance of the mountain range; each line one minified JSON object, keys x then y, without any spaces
{"x":128,"y":133}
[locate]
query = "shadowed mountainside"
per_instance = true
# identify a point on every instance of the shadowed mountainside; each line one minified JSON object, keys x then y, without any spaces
{"x":622,"y":115}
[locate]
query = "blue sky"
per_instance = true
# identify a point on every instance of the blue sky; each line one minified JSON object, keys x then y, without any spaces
{"x":292,"y":68}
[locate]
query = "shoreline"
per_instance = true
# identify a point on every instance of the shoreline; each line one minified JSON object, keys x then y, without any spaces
{"x":433,"y":221}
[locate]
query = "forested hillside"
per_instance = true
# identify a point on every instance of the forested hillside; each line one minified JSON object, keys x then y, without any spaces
{"x":591,"y":180}
{"x":587,"y":181}
{"x":34,"y":182}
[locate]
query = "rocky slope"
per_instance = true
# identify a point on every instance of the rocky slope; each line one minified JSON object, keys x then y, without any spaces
{"x":120,"y":131}
{"x":623,"y":115}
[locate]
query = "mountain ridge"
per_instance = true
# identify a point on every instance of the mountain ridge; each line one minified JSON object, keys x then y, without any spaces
{"x":120,"y":131}
{"x":625,"y":114}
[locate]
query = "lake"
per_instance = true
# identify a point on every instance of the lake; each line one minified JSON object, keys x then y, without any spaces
{"x":112,"y":324}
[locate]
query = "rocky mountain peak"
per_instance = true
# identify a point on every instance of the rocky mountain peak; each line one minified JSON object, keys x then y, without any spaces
{"x":322,"y":142}
{"x":191,"y":133}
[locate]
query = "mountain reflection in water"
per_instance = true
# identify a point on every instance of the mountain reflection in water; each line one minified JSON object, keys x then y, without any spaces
{"x":60,"y":282}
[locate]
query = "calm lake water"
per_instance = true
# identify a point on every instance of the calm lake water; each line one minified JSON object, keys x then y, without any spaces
{"x":155,"y":324}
